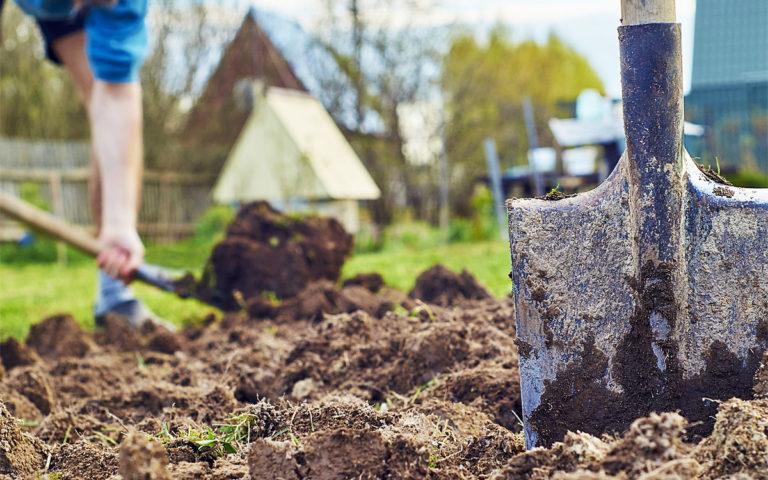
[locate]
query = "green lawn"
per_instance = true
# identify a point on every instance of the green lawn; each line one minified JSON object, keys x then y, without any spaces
{"x":30,"y":292}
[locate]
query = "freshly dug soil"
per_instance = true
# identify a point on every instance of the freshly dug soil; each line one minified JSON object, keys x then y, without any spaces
{"x":267,"y":254}
{"x":428,"y":394}
{"x":441,"y":286}
{"x":359,"y":381}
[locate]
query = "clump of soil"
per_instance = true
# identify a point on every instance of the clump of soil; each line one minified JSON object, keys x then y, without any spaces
{"x":21,"y":455}
{"x":266,"y":253}
{"x":739,"y":442}
{"x":713,"y":174}
{"x":142,"y":459}
{"x":15,"y":354}
{"x":58,"y":336}
{"x":761,"y":379}
{"x":443,"y":287}
{"x":373,"y":282}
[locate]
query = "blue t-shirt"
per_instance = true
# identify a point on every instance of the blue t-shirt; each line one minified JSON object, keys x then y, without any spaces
{"x":116,"y":36}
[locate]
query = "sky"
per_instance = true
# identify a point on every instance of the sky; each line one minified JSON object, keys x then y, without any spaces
{"x":587,"y":25}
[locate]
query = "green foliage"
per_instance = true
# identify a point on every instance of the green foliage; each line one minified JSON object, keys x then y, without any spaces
{"x":412,"y":235}
{"x":229,"y":437}
{"x":213,"y":224}
{"x":749,"y":179}
{"x":38,"y":99}
{"x":484,"y":89}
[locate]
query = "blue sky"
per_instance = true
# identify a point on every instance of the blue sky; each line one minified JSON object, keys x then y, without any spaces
{"x":588,"y":25}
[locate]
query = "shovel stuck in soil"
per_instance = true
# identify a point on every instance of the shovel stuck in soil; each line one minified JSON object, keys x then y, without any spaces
{"x":649,"y":293}
{"x":166,"y":280}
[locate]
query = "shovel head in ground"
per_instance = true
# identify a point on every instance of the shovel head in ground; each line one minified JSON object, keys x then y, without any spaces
{"x":649,"y":293}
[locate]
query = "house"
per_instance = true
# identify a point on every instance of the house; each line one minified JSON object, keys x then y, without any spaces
{"x":267,"y":138}
{"x":729,"y":90}
{"x":291,"y":153}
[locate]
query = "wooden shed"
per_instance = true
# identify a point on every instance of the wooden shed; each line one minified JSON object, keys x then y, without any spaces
{"x":291,"y":153}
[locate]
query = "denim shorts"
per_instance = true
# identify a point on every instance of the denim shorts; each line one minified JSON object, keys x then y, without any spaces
{"x":116,"y":37}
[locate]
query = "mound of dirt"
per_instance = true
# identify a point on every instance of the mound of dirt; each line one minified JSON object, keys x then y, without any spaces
{"x":15,"y":354}
{"x":440,"y":286}
{"x":57,"y":337}
{"x":267,"y":253}
{"x":739,"y":442}
{"x":21,"y":455}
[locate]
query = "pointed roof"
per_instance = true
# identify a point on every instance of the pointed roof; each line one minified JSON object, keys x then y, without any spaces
{"x":216,"y":119}
{"x":297,"y":150}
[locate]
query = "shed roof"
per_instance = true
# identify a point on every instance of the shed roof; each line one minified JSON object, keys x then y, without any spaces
{"x":314,"y":135}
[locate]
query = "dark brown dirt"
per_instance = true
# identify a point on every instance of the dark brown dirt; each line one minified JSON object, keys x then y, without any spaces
{"x":440,"y":286}
{"x":268,"y":254}
{"x":15,"y":354}
{"x":593,"y":408}
{"x":425,"y":395}
{"x":334,"y":383}
{"x":713,"y":175}
{"x":58,"y":337}
{"x":373,"y":282}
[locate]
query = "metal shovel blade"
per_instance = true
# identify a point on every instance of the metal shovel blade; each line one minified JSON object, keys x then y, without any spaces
{"x":649,"y":293}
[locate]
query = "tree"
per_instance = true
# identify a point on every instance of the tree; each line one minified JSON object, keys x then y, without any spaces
{"x":484,"y":87}
{"x":380,"y":62}
{"x":37,"y":99}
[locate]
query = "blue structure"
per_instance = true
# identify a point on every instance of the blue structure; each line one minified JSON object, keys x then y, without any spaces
{"x":729,"y":92}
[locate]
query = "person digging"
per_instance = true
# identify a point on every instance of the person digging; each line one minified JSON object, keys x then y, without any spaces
{"x":102,"y":45}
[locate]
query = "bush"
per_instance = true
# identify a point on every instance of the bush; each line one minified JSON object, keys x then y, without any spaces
{"x":213,"y":224}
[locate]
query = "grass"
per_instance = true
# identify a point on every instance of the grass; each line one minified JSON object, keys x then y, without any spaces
{"x":33,"y":291}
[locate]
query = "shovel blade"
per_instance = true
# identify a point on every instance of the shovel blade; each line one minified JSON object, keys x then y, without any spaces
{"x":604,"y":338}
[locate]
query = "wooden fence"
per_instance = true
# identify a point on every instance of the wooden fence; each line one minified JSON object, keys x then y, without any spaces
{"x":58,"y":172}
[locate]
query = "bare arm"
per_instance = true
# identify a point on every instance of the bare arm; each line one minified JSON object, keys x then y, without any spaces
{"x":116,"y":122}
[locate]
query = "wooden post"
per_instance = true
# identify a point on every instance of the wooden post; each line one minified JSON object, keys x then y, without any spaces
{"x":58,"y":210}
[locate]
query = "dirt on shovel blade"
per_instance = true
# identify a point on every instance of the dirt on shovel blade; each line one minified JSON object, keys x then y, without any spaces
{"x":359,"y":381}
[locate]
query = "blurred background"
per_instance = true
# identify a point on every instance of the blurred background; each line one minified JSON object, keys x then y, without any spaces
{"x":408,"y":120}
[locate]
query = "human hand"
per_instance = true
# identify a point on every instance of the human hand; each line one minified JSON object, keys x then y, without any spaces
{"x":122,"y":254}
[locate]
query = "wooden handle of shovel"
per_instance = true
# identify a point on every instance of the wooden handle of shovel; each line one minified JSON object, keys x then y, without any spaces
{"x":48,"y":224}
{"x":79,"y":238}
{"x":640,"y":12}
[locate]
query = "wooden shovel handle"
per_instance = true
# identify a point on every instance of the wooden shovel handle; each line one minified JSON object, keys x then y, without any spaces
{"x":48,"y":224}
{"x":640,"y":12}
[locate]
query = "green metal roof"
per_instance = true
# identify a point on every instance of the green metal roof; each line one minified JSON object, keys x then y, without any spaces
{"x":731,"y":42}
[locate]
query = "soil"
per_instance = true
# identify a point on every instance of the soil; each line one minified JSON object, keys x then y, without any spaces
{"x":333,"y":382}
{"x":443,"y":287}
{"x":714,"y":175}
{"x":268,"y":254}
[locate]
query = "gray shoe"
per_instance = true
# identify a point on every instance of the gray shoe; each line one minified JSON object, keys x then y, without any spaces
{"x":115,"y":298}
{"x":136,"y":313}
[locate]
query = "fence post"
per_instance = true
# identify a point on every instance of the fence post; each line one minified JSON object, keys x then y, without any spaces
{"x":58,"y":210}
